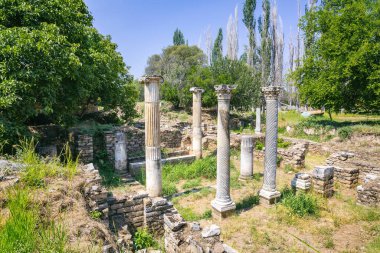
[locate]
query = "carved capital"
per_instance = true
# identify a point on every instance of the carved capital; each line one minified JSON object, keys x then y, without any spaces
{"x":271,"y":92}
{"x":151,"y":79}
{"x":223,"y":91}
{"x":196,"y":90}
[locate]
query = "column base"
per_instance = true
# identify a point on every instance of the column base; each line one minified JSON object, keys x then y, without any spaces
{"x":222,"y":210}
{"x":245,"y":178}
{"x":257,"y":131}
{"x":269,"y":198}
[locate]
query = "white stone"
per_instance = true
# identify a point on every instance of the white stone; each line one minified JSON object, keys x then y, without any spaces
{"x":210,"y":231}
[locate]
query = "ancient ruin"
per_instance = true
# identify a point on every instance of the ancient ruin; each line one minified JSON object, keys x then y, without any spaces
{"x":152,"y":134}
{"x":269,"y":194}
{"x":222,"y":204}
{"x":197,"y":119}
{"x":246,"y":157}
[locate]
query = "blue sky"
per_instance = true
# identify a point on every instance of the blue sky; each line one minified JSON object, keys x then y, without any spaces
{"x":144,"y":27}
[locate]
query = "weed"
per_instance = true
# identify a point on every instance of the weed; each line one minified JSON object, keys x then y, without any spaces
{"x":259,"y":145}
{"x":95,"y":215}
{"x":143,"y":239}
{"x":288,"y":168}
{"x":345,"y":133}
{"x":207,"y":214}
{"x":247,"y":202}
{"x":192,"y":183}
{"x":169,"y":188}
{"x":300,"y":204}
{"x":283,"y":144}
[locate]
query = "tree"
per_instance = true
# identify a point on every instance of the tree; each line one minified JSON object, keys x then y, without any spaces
{"x":174,"y":64}
{"x":341,"y":68}
{"x":217,"y":51}
{"x":250,"y":23}
{"x":178,"y":38}
{"x":232,"y":36}
{"x":53,"y":62}
{"x":277,"y":47}
{"x":265,"y":50}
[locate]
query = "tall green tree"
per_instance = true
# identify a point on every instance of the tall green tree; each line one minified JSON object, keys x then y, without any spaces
{"x":217,"y":50}
{"x":250,"y":23}
{"x":53,"y":62}
{"x":178,"y":38}
{"x":266,"y":44}
{"x":174,"y":64}
{"x":341,"y":68}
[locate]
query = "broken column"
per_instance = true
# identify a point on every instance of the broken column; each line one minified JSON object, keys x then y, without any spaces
{"x":323,"y":180}
{"x":269,"y":194}
{"x":301,"y":182}
{"x":222,"y":205}
{"x":258,"y":121}
{"x":120,"y":153}
{"x":246,"y":157}
{"x":197,"y":112}
{"x":152,"y":134}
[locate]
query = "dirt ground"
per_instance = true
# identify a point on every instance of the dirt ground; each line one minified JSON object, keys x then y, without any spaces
{"x":341,"y":226}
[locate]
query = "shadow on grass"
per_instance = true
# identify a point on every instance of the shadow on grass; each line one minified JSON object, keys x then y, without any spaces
{"x":187,"y":192}
{"x":257,"y":176}
{"x":247,"y":203}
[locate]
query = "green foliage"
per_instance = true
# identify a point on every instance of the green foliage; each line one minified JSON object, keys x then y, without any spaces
{"x":96,"y":215}
{"x":288,"y":168}
{"x":247,"y":202}
{"x":37,"y":171}
{"x":54,"y":63}
{"x":143,"y":239}
{"x":374,"y":246}
{"x":23,"y":232}
{"x":178,"y":38}
{"x":266,"y":43}
{"x":192,"y":183}
{"x":189,"y":215}
{"x":217,"y":50}
{"x":300,"y":204}
{"x":341,"y":67}
{"x":202,"y":168}
{"x":345,"y":133}
{"x":10,"y":133}
{"x":281,"y":143}
{"x":250,"y":23}
{"x":259,"y":145}
{"x":168,"y":188}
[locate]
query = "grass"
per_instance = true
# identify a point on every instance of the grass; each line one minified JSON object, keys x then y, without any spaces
{"x":24,"y":229}
{"x":192,"y":183}
{"x":189,"y":215}
{"x":300,"y":205}
{"x":247,"y":202}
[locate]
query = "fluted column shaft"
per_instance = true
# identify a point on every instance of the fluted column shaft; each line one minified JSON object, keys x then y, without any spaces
{"x":246,"y":157}
{"x":223,"y":201}
{"x":152,"y":135}
{"x":197,"y":118}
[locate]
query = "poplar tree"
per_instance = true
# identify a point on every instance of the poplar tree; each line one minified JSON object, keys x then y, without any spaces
{"x":217,"y":51}
{"x":250,"y":23}
{"x":266,"y":45}
{"x":178,"y":38}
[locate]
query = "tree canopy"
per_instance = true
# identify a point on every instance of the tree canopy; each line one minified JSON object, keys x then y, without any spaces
{"x":341,"y":68}
{"x":178,"y":38}
{"x":53,"y":62}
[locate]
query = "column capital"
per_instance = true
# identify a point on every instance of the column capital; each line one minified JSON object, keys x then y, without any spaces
{"x":196,"y":90}
{"x":151,"y":79}
{"x":271,"y":92}
{"x":223,"y":91}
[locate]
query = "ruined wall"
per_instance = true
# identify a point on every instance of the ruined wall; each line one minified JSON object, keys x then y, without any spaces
{"x":84,"y":147}
{"x":369,"y":191}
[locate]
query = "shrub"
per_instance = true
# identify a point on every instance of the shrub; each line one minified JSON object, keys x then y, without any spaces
{"x":259,"y":145}
{"x":300,"y":204}
{"x":143,"y":239}
{"x":345,"y":133}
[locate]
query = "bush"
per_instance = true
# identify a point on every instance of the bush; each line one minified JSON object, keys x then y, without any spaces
{"x":300,"y":204}
{"x":143,"y":239}
{"x":345,"y":133}
{"x":259,"y":145}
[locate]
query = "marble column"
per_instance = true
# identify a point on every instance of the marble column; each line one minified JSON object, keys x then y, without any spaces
{"x":197,"y":116}
{"x":268,"y":194}
{"x":152,"y":134}
{"x":223,"y":205}
{"x":258,"y":121}
{"x":120,"y":153}
{"x":246,"y":157}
